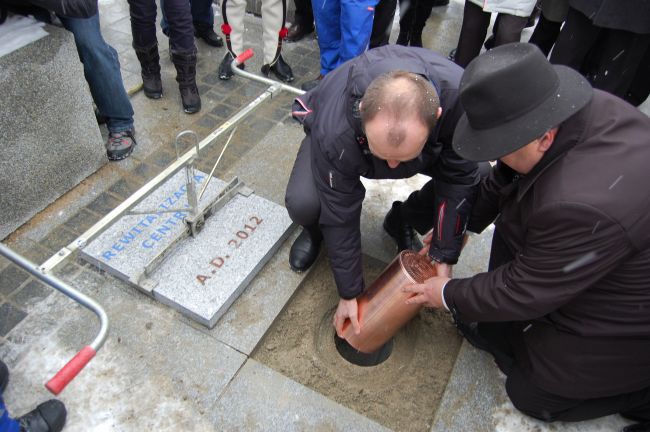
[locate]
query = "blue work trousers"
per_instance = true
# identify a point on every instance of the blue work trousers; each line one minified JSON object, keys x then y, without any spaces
{"x":7,"y":424}
{"x":102,"y":72}
{"x":344,"y":28}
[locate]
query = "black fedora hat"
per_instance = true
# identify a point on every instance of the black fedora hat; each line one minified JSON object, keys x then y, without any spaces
{"x":512,"y":95}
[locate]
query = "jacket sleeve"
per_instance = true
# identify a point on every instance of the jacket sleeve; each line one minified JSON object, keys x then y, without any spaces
{"x":563,"y":256}
{"x":456,"y":186}
{"x":491,"y":191}
{"x":68,"y":8}
{"x":341,"y":197}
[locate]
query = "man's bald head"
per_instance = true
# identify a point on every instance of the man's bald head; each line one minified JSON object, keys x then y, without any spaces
{"x":400,"y":96}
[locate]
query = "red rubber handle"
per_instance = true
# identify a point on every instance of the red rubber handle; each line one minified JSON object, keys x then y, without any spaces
{"x":70,"y":370}
{"x":241,"y":58}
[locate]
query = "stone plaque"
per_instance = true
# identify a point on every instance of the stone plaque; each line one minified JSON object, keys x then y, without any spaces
{"x":201,"y":276}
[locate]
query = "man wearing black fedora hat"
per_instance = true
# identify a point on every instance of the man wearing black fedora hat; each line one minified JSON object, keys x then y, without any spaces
{"x":564,"y":305}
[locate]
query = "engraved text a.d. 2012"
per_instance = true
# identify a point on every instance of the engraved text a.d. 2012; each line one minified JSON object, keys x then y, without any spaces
{"x":236,"y":242}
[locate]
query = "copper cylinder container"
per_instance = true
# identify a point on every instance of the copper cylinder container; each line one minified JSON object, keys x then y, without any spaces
{"x":382,"y":308}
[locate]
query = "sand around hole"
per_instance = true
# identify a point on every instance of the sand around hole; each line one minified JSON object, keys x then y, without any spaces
{"x":401,"y":393}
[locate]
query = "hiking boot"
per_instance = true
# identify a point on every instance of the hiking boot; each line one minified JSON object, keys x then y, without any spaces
{"x":403,"y":234}
{"x":305,"y":249}
{"x":150,"y":71}
{"x":205,"y":32}
{"x":120,"y":145}
{"x":186,"y":77}
{"x":225,"y":70}
{"x":280,"y":69}
{"x":47,"y":417}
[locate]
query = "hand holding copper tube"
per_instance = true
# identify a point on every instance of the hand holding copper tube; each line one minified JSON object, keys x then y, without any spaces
{"x":347,"y":309}
{"x":428,"y":293}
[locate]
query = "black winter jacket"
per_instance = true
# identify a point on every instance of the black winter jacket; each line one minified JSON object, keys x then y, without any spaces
{"x":340,"y":156}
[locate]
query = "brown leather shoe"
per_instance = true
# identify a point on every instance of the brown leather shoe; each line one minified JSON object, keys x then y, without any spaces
{"x":297,"y":31}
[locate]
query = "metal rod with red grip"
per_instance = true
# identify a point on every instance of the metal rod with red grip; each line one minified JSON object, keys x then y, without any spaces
{"x":275,"y":85}
{"x":74,"y":366}
{"x":70,"y":370}
{"x":243,"y":57}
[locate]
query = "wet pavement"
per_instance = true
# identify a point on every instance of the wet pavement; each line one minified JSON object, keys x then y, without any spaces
{"x":159,"y":370}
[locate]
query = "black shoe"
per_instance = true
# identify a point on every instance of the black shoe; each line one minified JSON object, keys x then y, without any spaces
{"x":280,"y":69}
{"x":470,"y":332}
{"x":637,"y":427}
{"x":205,"y":32}
{"x":225,"y":71}
{"x":298,"y":31}
{"x":47,"y":417}
{"x":120,"y":145}
{"x":304,"y":250}
{"x":4,"y":377}
{"x":309,"y":85}
{"x":403,"y":234}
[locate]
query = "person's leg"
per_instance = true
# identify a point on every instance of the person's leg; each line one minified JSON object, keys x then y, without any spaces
{"x":422,"y":14}
{"x":406,"y":13}
{"x":203,"y":20}
{"x":303,"y":206}
{"x":356,"y":27}
{"x":183,"y":52}
{"x":303,"y":21}
{"x":7,"y":424}
{"x":102,"y":72}
{"x":535,"y":402}
{"x":232,"y":12}
{"x":616,"y":57}
{"x":143,"y":23}
{"x":576,"y":39}
{"x":383,"y":23}
{"x":472,"y":33}
{"x":273,"y":21}
{"x":640,"y":86}
{"x":545,"y":34}
{"x":327,"y":14}
{"x":509,"y":30}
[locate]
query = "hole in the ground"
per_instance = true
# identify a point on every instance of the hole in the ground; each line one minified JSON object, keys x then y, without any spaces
{"x":401,"y":393}
{"x":354,"y":356}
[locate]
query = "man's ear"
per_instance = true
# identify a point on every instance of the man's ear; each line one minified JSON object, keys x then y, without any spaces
{"x":546,"y":141}
{"x":438,"y":113}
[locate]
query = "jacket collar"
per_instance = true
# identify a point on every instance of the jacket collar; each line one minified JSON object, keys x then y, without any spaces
{"x":570,"y":132}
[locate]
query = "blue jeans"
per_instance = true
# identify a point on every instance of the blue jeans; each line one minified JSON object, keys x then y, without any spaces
{"x":7,"y":424}
{"x":102,"y":72}
{"x":201,"y":14}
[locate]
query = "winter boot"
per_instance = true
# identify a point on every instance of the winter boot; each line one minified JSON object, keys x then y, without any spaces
{"x":186,"y":77}
{"x":150,"y":70}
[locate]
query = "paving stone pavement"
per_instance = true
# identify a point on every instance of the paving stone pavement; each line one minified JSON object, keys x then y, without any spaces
{"x":158,"y":369}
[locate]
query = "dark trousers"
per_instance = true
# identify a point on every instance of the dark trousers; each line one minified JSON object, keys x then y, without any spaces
{"x":474,"y":30}
{"x":179,"y":17}
{"x":608,"y":58}
{"x":382,"y":23}
{"x":545,"y":34}
{"x":302,"y":202}
{"x":304,"y":13}
{"x":527,"y":396}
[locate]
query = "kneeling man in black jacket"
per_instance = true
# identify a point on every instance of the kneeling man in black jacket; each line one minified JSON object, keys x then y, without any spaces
{"x":387,"y":114}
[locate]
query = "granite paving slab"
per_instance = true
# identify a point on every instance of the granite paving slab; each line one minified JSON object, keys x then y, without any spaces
{"x":201,"y":276}
{"x":261,"y":399}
